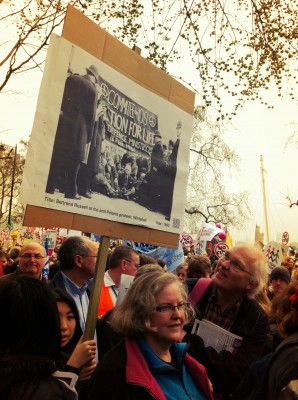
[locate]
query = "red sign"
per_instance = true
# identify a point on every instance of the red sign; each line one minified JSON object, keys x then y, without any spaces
{"x":186,"y":240}
{"x":285,"y":238}
{"x":220,"y":249}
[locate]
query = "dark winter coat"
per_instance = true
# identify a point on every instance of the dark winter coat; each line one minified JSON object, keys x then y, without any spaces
{"x":224,"y":369}
{"x":283,"y":366}
{"x":77,"y":118}
{"x":26,"y":377}
{"x":12,"y":276}
{"x":123,"y":374}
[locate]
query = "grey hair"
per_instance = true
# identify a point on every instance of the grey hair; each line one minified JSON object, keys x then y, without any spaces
{"x":133,"y":316}
{"x":72,"y":246}
{"x":258,"y":267}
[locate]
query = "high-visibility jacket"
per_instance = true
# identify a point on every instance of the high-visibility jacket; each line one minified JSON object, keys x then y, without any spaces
{"x":106,"y":301}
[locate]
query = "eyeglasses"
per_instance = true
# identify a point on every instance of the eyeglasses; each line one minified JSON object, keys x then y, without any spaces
{"x":235,"y":265}
{"x":170,"y":308}
{"x":28,"y":256}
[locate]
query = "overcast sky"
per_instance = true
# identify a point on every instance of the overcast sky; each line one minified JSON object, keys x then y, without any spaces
{"x":265,"y":132}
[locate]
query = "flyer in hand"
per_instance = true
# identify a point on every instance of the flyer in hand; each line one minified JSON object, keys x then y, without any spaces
{"x":215,"y":336}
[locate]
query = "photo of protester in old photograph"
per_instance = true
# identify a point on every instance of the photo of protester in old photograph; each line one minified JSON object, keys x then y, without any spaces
{"x":74,"y":132}
{"x":107,"y":145}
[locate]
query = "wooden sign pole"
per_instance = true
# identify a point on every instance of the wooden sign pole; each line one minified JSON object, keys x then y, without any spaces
{"x":100,"y":267}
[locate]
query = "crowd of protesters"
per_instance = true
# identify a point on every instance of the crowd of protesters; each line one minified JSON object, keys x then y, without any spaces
{"x":146,"y":344}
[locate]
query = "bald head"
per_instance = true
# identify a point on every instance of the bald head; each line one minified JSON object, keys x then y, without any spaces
{"x":32,"y":259}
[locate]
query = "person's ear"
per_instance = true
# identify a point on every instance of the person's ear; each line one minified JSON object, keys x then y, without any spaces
{"x":123,"y":265}
{"x":78,"y":260}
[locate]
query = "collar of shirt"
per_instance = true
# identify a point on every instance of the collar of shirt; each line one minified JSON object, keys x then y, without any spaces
{"x":72,"y":287}
{"x":173,"y":378}
{"x":177,"y":350}
{"x":213,"y":299}
{"x":214,"y":313}
{"x":81,"y":298}
{"x":108,"y":281}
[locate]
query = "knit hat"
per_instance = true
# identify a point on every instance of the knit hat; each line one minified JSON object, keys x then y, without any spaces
{"x":281,"y":273}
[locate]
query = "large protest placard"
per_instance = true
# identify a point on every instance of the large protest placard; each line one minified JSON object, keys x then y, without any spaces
{"x":127,"y":162}
{"x":109,"y":148}
{"x":172,"y":257}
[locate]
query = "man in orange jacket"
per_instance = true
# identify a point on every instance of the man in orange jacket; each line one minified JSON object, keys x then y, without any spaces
{"x":123,"y":260}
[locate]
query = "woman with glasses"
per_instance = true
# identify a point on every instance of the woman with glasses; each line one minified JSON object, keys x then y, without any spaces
{"x":150,"y":363}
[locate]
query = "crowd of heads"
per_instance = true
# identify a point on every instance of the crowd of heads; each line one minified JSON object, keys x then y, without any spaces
{"x":31,"y":259}
{"x":145,"y":310}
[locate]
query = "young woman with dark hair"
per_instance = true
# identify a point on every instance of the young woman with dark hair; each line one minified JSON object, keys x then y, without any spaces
{"x":30,"y":343}
{"x":75,"y":355}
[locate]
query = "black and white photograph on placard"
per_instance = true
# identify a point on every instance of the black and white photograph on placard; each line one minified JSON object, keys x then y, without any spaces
{"x":104,"y":146}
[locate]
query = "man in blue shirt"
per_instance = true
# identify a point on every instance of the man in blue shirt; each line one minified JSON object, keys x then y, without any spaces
{"x":77,"y":256}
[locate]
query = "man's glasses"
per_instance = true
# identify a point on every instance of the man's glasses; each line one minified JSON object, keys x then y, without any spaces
{"x":235,"y":265}
{"x":28,"y":256}
{"x":170,"y":308}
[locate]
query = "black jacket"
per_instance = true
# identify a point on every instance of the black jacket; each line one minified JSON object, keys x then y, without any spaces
{"x":283,"y":366}
{"x":224,"y":369}
{"x":26,"y":377}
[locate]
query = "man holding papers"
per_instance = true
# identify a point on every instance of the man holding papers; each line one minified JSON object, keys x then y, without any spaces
{"x":233,"y":330}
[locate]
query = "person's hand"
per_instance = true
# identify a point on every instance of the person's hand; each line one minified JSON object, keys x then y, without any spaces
{"x":100,"y":110}
{"x":83,"y":353}
{"x":87,"y":370}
